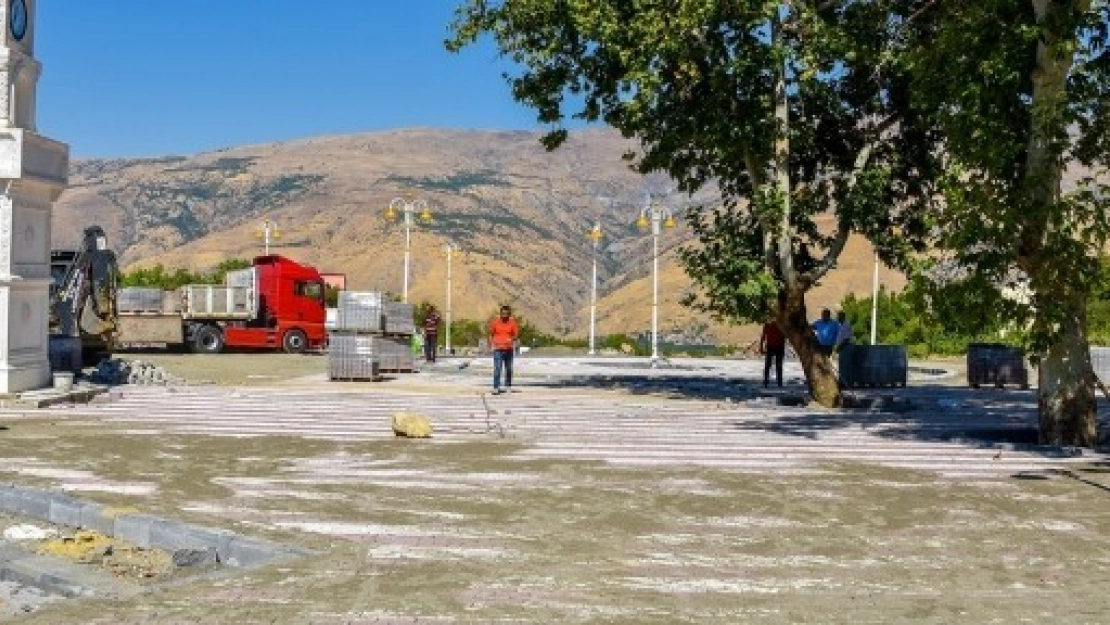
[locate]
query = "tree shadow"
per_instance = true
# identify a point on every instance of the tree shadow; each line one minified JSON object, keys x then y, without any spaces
{"x":675,"y":381}
{"x":981,"y":418}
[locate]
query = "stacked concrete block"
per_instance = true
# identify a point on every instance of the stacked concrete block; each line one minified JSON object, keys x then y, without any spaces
{"x":370,"y":335}
{"x":399,"y":318}
{"x":359,"y":311}
{"x":353,"y":356}
{"x":395,"y":354}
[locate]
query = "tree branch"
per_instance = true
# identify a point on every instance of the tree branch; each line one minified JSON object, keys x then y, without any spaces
{"x":843,"y":229}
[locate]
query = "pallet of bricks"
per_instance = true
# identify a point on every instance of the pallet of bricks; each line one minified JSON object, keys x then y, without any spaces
{"x":371,"y":336}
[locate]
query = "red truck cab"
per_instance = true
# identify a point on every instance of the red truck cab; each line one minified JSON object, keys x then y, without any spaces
{"x":291,"y":312}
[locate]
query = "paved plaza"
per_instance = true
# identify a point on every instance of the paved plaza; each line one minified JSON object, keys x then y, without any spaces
{"x":604,"y":491}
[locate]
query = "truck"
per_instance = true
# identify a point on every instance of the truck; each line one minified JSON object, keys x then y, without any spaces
{"x":277,"y":303}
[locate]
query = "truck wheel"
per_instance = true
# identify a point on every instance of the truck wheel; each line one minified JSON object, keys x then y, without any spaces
{"x":208,"y":340}
{"x":294,"y":342}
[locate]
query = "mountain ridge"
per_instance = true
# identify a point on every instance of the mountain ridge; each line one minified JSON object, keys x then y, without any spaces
{"x":519,"y":214}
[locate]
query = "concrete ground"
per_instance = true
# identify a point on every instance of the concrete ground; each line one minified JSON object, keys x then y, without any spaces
{"x":605,"y":491}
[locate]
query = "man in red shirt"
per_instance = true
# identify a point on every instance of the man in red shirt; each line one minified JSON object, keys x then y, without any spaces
{"x":503,"y":334}
{"x":772,"y":343}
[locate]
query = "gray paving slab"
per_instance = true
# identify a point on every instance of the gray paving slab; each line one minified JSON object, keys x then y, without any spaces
{"x":637,"y":496}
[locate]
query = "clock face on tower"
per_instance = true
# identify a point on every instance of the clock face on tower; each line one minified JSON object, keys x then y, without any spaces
{"x":17,"y":18}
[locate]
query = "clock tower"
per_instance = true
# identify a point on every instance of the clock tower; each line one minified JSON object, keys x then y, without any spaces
{"x":33,"y":173}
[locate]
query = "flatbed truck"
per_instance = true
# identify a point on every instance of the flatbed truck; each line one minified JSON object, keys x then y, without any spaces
{"x":277,"y":303}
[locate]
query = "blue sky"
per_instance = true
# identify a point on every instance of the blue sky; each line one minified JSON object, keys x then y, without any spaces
{"x":158,"y":77}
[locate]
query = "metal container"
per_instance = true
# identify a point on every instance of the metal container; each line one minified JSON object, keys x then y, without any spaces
{"x":996,"y":364}
{"x":243,"y":278}
{"x":64,"y":354}
{"x":202,"y":301}
{"x":140,"y":299}
{"x":873,"y":365}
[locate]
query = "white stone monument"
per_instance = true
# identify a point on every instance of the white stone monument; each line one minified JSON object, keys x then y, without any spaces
{"x":33,"y":173}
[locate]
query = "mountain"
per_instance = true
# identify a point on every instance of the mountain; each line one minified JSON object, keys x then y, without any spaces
{"x":519,"y":214}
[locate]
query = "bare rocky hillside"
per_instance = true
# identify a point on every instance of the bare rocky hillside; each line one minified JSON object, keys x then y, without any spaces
{"x":519,"y":213}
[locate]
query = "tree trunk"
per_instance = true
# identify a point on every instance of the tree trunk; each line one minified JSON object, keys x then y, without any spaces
{"x":820,"y":375}
{"x":1065,"y":392}
{"x":1066,"y":397}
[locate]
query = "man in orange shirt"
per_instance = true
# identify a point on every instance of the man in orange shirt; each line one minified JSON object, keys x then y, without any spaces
{"x":503,"y":333}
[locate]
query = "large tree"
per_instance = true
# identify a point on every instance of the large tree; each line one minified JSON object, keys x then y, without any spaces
{"x":1020,"y":90}
{"x":793,"y":110}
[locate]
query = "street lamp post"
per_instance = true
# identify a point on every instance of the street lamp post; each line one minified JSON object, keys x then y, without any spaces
{"x":657,"y":216}
{"x":408,"y":207}
{"x":595,"y":235}
{"x":269,"y":231}
{"x":450,"y":249}
{"x":875,"y":302}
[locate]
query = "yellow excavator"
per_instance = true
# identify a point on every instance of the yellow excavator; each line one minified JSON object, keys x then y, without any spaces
{"x":83,"y":294}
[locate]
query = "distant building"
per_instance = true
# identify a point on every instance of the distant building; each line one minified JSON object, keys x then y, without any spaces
{"x":335,"y":280}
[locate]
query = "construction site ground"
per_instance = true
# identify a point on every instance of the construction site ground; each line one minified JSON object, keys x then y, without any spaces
{"x":602,"y":491}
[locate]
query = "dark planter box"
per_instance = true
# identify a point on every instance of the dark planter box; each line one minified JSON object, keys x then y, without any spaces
{"x":996,"y":364}
{"x":873,"y":365}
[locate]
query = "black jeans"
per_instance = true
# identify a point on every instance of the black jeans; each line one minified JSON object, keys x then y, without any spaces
{"x":430,"y":341}
{"x":775,"y":355}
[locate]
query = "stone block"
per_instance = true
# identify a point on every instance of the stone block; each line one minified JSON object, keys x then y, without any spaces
{"x":246,"y":552}
{"x":94,"y":517}
{"x":65,"y":511}
{"x":135,"y":529}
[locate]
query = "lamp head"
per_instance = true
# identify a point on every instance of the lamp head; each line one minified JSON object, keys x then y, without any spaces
{"x":643,"y":221}
{"x":669,"y":222}
{"x":391,"y":213}
{"x":426,"y":216}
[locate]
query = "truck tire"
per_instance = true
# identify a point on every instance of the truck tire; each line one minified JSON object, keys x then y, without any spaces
{"x":208,"y":340}
{"x":294,"y":342}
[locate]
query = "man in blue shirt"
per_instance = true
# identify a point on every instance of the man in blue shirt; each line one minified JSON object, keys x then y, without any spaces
{"x":826,"y":328}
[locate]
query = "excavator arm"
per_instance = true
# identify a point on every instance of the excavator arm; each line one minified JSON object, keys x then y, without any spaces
{"x":83,"y":297}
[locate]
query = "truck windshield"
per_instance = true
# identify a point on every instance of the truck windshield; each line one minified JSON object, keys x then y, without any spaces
{"x":315,"y":290}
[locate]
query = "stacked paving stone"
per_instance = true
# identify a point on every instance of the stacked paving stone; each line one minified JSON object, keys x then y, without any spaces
{"x":116,"y":371}
{"x":371,"y":335}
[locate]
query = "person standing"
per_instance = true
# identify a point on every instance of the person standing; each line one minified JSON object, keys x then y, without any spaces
{"x":503,"y":334}
{"x":825,"y":329}
{"x":844,"y":335}
{"x":431,"y":334}
{"x":772,"y":343}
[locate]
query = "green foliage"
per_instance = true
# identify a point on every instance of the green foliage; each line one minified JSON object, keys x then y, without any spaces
{"x":620,"y":340}
{"x":160,"y":277}
{"x":907,"y":318}
{"x":696,"y":84}
{"x":1032,"y":99}
{"x":467,"y":332}
{"x":222,"y":269}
